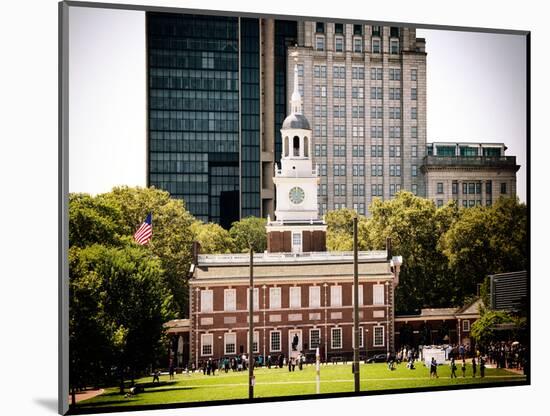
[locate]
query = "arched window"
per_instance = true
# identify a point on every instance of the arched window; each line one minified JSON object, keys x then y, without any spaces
{"x":306,"y":147}
{"x":285,"y":143}
{"x":296,"y":146}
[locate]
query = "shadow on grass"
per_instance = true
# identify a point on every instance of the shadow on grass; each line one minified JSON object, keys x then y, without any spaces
{"x":118,"y":398}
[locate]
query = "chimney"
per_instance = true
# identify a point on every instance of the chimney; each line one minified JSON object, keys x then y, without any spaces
{"x":388,"y":248}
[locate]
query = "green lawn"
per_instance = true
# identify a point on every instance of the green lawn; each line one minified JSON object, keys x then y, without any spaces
{"x":280,"y":383}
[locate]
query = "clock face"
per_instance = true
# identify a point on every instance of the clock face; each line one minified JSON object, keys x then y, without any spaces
{"x":296,"y":195}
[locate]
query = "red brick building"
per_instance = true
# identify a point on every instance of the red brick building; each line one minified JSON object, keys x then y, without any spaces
{"x":437,"y":326}
{"x":302,"y":293}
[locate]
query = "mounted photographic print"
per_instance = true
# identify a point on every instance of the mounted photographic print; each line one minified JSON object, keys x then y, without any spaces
{"x":268,"y":208}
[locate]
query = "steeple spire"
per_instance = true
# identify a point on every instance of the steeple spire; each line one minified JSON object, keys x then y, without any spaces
{"x":296,"y":100}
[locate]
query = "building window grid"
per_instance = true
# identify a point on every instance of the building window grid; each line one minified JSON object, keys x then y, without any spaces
{"x":314,"y":338}
{"x":207,"y":344}
{"x":336,"y":338}
{"x":378,"y":336}
{"x":339,"y":43}
{"x":275,"y":341}
{"x":230,"y":343}
{"x":320,"y":43}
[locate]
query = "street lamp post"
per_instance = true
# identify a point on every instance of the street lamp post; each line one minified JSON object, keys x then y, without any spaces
{"x":197,"y":291}
{"x":251,"y":328}
{"x":355,"y":309}
{"x":387,"y":318}
{"x":325,"y":285}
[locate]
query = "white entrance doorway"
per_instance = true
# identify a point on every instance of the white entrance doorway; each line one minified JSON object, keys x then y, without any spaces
{"x":294,"y":342}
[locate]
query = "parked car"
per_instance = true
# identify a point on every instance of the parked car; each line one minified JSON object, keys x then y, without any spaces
{"x":378,"y":358}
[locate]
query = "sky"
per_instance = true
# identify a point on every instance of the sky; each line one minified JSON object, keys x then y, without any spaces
{"x":476,"y":92}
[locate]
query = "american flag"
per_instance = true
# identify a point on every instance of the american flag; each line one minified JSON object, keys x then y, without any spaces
{"x":145,"y":231}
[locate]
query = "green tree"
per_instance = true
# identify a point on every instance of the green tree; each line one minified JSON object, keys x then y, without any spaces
{"x":487,"y":240}
{"x":340,"y":229}
{"x":483,"y":330}
{"x":94,"y":220}
{"x":118,"y":304}
{"x":172,"y":235}
{"x":248,"y":232}
{"x":415,"y":226}
{"x":212,"y":238}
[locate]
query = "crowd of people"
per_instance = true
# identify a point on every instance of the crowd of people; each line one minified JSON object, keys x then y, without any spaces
{"x":507,"y":354}
{"x":500,"y":354}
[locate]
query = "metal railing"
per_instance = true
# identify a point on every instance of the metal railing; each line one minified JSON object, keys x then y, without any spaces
{"x":491,"y":161}
{"x":204,"y":259}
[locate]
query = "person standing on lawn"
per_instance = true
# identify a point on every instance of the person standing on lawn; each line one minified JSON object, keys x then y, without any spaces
{"x":474,"y":367}
{"x":453,"y":368}
{"x":481,"y":366}
{"x":433,"y":368}
{"x":463,"y":367}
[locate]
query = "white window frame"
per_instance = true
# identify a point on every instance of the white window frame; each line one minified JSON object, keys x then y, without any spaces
{"x":320,"y":39}
{"x":295,"y":297}
{"x":271,"y":341}
{"x":312,"y":297}
{"x":332,"y":331}
{"x":225,"y":343}
{"x":360,"y":293}
{"x":255,"y":300}
{"x":378,"y":42}
{"x":207,"y":300}
{"x":256,"y":341}
{"x":466,"y":325}
{"x":357,"y":41}
{"x":275,"y":303}
{"x":318,"y":330}
{"x":228,"y":296}
{"x":297,"y":242}
{"x":378,"y":295}
{"x":336,"y":39}
{"x":336,"y":294}
{"x":361,"y":337}
{"x":374,"y":330}
{"x":204,"y":343}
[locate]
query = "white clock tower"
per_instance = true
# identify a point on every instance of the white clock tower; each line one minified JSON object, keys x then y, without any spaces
{"x":297,"y":226}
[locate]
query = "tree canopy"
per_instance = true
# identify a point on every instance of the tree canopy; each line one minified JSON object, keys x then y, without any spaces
{"x":446,"y":251}
{"x":118,"y":304}
{"x":249,"y":232}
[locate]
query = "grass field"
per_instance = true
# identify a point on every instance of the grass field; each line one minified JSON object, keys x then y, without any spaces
{"x":280,"y":383}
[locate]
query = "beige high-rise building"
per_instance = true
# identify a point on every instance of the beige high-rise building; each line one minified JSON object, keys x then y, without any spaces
{"x":364,"y":90}
{"x":469,"y":173}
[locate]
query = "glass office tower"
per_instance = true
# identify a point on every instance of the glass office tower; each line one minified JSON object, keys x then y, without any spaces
{"x":204,"y":111}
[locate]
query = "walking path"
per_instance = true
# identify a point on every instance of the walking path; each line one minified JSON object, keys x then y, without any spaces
{"x":86,"y":394}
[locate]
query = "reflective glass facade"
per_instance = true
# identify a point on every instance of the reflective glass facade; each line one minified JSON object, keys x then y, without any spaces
{"x":250,"y":118}
{"x":195,"y":124}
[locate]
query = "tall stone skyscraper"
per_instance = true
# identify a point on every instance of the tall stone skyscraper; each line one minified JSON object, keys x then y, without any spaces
{"x":364,"y":89}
